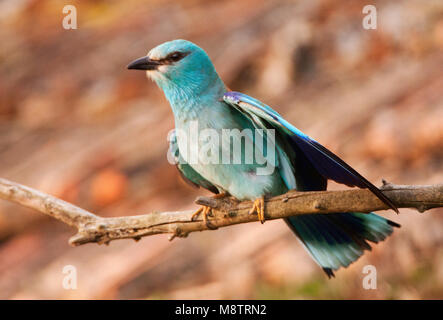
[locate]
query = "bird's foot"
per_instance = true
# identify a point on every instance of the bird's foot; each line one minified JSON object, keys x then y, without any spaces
{"x":259,"y":207}
{"x":205,"y":211}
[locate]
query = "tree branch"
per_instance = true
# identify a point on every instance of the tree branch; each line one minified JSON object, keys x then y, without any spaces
{"x":226,"y":211}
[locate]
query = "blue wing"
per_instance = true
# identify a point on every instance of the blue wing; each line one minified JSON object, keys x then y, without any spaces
{"x":188,"y":174}
{"x":327,"y":164}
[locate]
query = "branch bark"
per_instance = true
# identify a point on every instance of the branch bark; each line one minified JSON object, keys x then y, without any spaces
{"x":225,"y":211}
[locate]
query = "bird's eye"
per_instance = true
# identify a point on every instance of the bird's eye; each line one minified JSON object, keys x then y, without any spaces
{"x":175,"y":56}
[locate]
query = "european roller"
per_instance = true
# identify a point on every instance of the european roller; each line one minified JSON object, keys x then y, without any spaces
{"x":199,"y":97}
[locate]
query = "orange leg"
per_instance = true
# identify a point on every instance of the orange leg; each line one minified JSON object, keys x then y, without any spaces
{"x":205,"y":211}
{"x":258,"y":207}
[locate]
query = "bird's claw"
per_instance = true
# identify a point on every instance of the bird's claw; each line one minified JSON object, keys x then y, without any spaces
{"x":205,"y":211}
{"x":259,"y":207}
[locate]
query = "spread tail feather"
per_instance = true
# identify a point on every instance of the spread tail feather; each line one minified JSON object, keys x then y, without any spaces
{"x":338,"y":239}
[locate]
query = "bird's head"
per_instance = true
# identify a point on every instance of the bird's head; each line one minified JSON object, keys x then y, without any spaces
{"x":179,"y":67}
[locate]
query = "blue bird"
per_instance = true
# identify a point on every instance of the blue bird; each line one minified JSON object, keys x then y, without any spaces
{"x":196,"y":94}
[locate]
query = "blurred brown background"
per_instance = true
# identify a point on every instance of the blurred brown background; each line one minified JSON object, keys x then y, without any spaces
{"x":75,"y":123}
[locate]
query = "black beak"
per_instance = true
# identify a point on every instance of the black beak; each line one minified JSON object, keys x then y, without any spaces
{"x":144,"y":63}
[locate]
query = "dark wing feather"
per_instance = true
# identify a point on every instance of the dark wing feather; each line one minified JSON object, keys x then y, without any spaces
{"x":324,"y":161}
{"x":334,"y":168}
